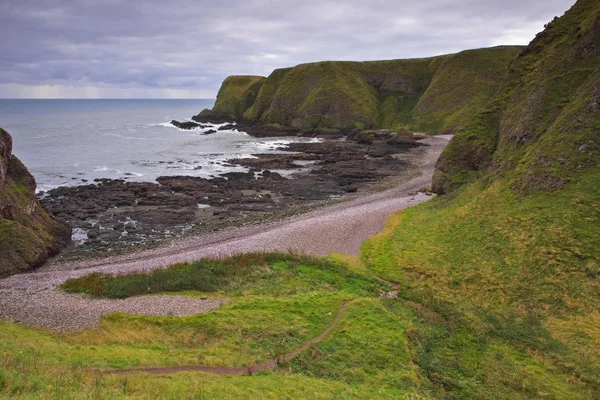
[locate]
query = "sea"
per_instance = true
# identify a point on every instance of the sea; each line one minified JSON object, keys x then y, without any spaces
{"x":72,"y":142}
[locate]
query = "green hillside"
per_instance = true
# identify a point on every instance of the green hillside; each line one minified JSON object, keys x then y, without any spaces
{"x":462,"y":85}
{"x":237,"y":93}
{"x":540,"y":130}
{"x":435,"y":95}
{"x":502,"y":275}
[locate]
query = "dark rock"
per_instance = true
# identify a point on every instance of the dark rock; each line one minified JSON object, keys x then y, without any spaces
{"x":170,"y":206}
{"x":93,"y":233}
{"x":227,"y":127}
{"x":30,"y":236}
{"x":186,"y":125}
{"x":402,"y":138}
{"x":210,"y":132}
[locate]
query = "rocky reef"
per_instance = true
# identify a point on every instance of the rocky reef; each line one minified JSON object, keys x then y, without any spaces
{"x":28,"y":235}
{"x":433,"y":95}
{"x":112,"y":214}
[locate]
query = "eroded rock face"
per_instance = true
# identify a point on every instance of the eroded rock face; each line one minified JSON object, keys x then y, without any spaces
{"x":5,"y":152}
{"x":28,"y":235}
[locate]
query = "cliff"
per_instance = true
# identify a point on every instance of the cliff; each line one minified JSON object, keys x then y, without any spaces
{"x":435,"y":95}
{"x":28,"y":236}
{"x":236,"y":95}
{"x":541,"y":128}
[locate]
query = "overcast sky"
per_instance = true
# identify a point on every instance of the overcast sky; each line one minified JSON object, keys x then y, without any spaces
{"x":184,"y":49}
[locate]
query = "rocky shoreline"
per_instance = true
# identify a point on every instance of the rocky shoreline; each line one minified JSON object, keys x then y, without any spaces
{"x":113,"y":215}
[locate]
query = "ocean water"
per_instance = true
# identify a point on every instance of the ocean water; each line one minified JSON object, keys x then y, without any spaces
{"x":72,"y":142}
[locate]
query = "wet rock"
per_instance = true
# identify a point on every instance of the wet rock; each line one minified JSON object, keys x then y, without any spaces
{"x":187,"y":125}
{"x":137,"y":212}
{"x":93,"y":233}
{"x":227,"y":127}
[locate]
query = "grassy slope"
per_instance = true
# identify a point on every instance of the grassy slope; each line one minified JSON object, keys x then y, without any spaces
{"x":541,"y":127}
{"x":236,"y":94}
{"x":323,"y":95}
{"x":265,"y":95}
{"x":464,"y":83}
{"x":277,"y":303}
{"x":502,"y":275}
{"x":375,"y":94}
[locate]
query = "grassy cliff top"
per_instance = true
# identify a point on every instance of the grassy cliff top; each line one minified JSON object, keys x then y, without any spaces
{"x":345,"y":95}
{"x":236,"y":94}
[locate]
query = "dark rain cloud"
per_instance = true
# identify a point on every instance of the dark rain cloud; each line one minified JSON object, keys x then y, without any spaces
{"x":186,"y":48}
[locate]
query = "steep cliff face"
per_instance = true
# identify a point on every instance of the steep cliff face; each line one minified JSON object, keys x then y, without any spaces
{"x":236,"y":95}
{"x":435,"y":94}
{"x":28,"y":236}
{"x":541,"y":128}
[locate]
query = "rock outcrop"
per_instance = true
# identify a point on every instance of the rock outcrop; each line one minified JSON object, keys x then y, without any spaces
{"x":435,"y":95}
{"x":28,"y":236}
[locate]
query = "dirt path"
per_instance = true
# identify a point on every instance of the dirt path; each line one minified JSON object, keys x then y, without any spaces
{"x":268,"y":365}
{"x":339,"y":228}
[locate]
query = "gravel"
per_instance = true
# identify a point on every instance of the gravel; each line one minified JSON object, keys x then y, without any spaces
{"x":32,"y":298}
{"x":66,"y":312}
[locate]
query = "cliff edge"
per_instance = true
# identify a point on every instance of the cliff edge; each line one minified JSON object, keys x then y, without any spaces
{"x":28,"y":236}
{"x":433,"y":95}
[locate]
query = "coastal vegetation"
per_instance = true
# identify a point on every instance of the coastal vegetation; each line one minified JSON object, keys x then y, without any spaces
{"x":489,"y":291}
{"x":237,"y":93}
{"x":434,"y":95}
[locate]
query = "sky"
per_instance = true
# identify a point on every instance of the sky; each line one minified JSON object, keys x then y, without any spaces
{"x":184,"y":48}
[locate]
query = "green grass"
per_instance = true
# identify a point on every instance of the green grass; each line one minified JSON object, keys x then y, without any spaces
{"x":434,"y":95}
{"x":276,"y":303}
{"x":244,"y":332}
{"x":237,"y":93}
{"x":463,"y":85}
{"x":248,"y":274}
{"x":494,"y":282}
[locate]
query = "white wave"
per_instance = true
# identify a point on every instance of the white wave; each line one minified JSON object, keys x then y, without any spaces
{"x":125,"y":137}
{"x":167,"y":124}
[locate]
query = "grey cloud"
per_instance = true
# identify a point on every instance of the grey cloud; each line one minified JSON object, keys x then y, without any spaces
{"x":194,"y":45}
